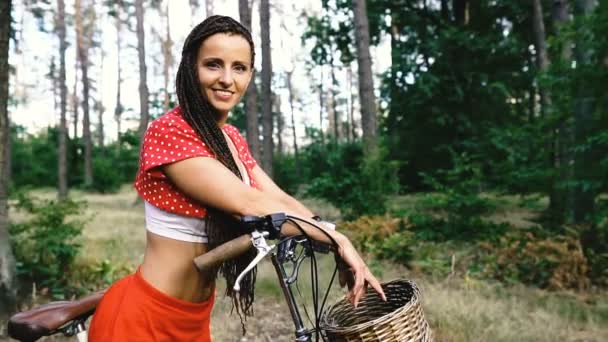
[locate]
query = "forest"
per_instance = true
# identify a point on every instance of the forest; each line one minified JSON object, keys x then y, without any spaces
{"x":462,"y":143}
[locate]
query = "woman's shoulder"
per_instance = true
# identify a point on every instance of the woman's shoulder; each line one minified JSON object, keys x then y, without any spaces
{"x":172,"y":122}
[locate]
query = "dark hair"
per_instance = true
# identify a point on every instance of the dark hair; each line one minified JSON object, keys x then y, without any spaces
{"x":201,"y":115}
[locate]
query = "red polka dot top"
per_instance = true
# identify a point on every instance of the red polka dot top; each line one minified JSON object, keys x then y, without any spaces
{"x":169,"y":139}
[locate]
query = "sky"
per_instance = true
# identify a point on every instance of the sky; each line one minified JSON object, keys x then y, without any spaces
{"x":32,"y":64}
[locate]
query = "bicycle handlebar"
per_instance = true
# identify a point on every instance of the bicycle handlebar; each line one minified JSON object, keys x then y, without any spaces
{"x":225,"y":251}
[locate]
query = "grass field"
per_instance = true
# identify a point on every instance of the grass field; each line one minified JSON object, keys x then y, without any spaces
{"x":459,"y":308}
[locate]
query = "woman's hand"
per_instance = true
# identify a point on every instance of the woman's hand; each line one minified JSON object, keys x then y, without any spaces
{"x":359,"y":271}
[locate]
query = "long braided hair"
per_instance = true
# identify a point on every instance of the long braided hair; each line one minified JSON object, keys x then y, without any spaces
{"x":201,"y":115}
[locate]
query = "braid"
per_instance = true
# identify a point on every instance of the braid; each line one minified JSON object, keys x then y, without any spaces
{"x":201,"y":115}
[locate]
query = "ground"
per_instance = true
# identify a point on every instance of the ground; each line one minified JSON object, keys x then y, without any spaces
{"x":459,"y":308}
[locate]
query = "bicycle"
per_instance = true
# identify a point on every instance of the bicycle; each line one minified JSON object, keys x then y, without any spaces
{"x":287,"y":257}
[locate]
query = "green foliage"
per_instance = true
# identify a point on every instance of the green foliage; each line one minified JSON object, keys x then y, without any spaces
{"x":286,"y":174}
{"x":354,"y":184}
{"x":34,"y":160}
{"x":46,"y":244}
{"x":382,"y":236}
{"x":457,"y":208}
{"x":555,"y":262}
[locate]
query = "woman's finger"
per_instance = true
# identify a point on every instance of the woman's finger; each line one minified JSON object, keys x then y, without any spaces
{"x":359,"y":288}
{"x":375,"y":284}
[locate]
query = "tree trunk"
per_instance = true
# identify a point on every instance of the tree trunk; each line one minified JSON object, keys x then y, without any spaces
{"x":83,"y":58}
{"x":445,"y":10}
{"x":7,"y":262}
{"x":276,"y":103}
{"x":209,"y":7}
{"x":461,"y":12}
{"x":143,"y":85}
{"x":167,"y":46}
{"x":321,"y":105}
{"x":118,"y":109}
{"x":332,"y":93}
{"x":561,"y":200}
{"x":366,"y":82}
{"x":584,"y":107}
{"x":542,"y":59}
{"x":75,"y":101}
{"x":63,"y":126}
{"x":352,"y":133}
{"x":267,"y":122}
{"x":293,"y":125}
{"x":253,"y":127}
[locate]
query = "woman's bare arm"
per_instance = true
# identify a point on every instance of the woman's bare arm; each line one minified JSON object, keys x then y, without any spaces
{"x":211,"y":183}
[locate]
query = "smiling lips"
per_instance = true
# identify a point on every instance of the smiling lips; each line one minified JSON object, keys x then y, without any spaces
{"x":222,"y":95}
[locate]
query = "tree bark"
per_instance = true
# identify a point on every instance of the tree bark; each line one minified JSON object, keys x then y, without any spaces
{"x":83,"y":58}
{"x":584,"y":107}
{"x":366,"y":82}
{"x":143,"y":84}
{"x":251,"y":97}
{"x":542,"y":59}
{"x":7,"y":262}
{"x":276,"y":103}
{"x":209,"y":7}
{"x":333,"y":106}
{"x":118,"y":110}
{"x":167,"y":46}
{"x":293,"y":124}
{"x":461,"y":12}
{"x":62,"y":161}
{"x":267,"y":122}
{"x":560,"y":199}
{"x":352,"y":127}
{"x":445,"y":11}
{"x":75,"y":101}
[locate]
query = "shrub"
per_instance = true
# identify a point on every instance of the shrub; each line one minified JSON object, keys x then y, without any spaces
{"x":45,"y":245}
{"x":556,"y":262}
{"x":383,"y":236}
{"x":355,"y":184}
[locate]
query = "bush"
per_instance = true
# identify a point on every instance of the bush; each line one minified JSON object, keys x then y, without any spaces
{"x":555,"y":262}
{"x":354,"y":184}
{"x":383,"y":236}
{"x":456,"y":210}
{"x":45,"y":245}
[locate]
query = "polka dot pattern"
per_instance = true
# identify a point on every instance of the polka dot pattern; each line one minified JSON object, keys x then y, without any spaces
{"x":170,"y":139}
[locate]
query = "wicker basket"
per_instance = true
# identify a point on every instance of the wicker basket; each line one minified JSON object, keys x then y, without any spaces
{"x":400,"y":318}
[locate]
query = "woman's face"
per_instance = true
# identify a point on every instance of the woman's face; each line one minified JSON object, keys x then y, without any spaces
{"x":224,"y":70}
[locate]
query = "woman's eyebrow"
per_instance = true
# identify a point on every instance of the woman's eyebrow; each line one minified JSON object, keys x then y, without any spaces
{"x":213,"y":59}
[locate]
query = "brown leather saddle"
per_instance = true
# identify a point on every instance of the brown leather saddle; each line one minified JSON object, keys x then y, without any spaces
{"x":51,"y":318}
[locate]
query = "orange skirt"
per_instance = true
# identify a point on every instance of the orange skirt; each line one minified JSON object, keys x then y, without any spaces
{"x":133,"y":310}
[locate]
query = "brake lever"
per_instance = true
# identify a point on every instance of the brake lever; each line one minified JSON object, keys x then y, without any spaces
{"x":259,"y":242}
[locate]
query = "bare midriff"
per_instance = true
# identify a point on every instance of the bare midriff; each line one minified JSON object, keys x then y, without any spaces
{"x":168,"y":266}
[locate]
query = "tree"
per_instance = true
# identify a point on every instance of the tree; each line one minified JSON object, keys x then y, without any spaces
{"x":82,"y":48}
{"x":366,"y":82}
{"x":209,"y":7}
{"x":251,"y":97}
{"x":118,"y":110}
{"x":584,"y":107}
{"x":267,"y":122}
{"x":63,"y":90}
{"x":143,"y":85}
{"x":293,"y":122}
{"x":7,"y":261}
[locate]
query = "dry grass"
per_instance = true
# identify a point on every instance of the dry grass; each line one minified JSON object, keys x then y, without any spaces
{"x":459,"y":309}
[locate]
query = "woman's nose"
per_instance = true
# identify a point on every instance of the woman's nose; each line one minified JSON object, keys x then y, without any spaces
{"x":226,"y":79}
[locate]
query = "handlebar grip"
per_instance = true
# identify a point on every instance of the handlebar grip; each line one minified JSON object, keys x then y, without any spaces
{"x":223,"y":252}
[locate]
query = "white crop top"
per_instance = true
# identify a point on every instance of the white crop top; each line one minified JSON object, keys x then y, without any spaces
{"x":183,"y":228}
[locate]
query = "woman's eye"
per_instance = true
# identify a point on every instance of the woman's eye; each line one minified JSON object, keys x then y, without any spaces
{"x":240,"y":68}
{"x":212,"y":65}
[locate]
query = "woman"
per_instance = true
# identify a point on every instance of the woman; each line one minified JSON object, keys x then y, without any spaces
{"x":195,"y":175}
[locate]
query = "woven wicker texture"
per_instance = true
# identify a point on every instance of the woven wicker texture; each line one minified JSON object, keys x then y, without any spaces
{"x":398,"y":319}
